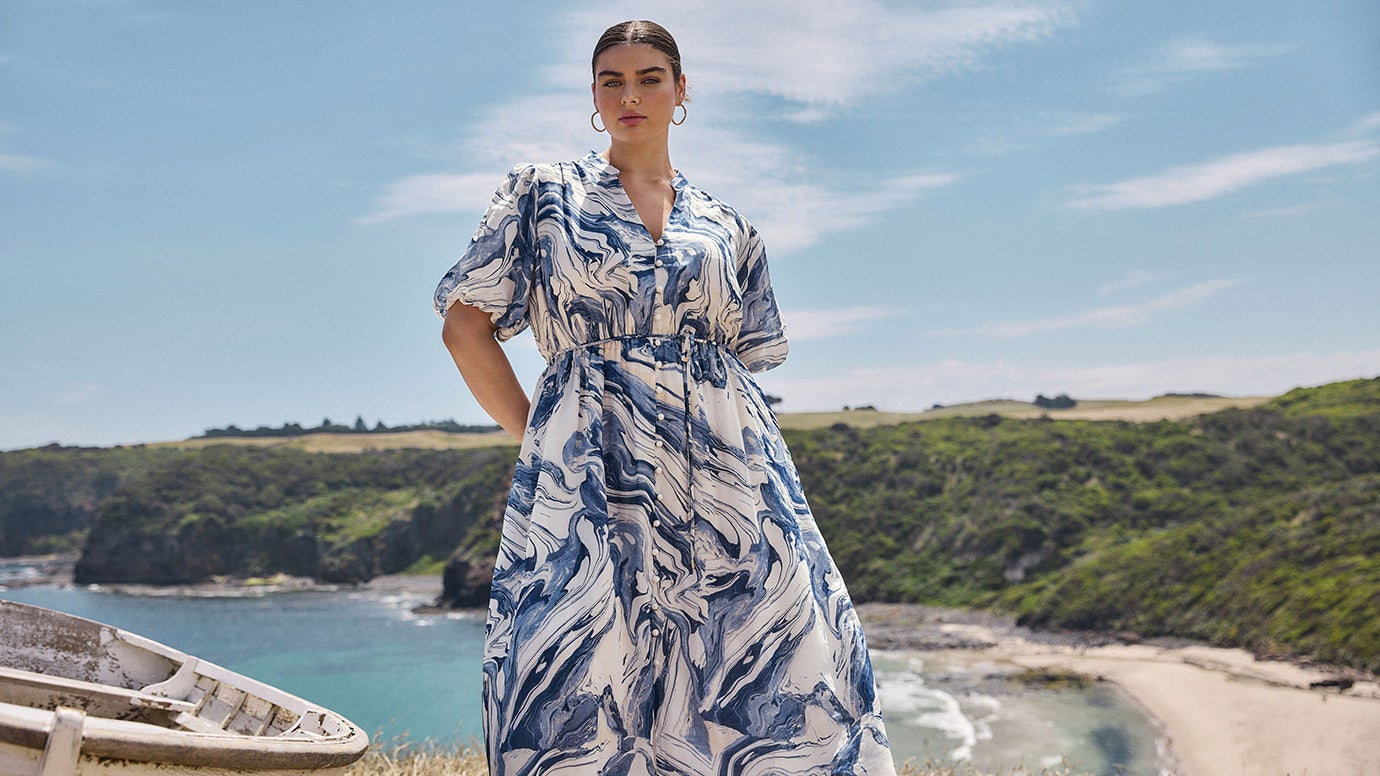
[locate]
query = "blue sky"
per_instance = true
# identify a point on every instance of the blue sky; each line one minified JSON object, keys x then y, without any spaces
{"x":216,"y":213}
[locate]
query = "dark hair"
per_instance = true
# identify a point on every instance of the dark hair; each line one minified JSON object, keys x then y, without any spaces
{"x":639,"y":31}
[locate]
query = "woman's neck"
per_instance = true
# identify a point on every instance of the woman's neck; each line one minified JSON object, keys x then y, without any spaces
{"x":646,"y":162}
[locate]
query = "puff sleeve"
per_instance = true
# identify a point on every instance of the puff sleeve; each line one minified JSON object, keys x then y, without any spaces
{"x":762,"y":342}
{"x":495,"y":273}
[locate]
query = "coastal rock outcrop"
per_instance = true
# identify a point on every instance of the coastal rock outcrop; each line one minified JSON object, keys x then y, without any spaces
{"x":340,"y":519}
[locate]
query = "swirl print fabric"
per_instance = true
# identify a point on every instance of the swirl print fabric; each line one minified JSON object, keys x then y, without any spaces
{"x":662,"y":600}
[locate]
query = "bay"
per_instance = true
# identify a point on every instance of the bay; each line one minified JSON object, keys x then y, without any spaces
{"x":365,"y":654}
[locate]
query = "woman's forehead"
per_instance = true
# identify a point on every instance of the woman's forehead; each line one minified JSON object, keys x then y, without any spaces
{"x":631,"y":57}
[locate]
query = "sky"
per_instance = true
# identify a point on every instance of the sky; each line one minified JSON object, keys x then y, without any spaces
{"x":236,"y":213}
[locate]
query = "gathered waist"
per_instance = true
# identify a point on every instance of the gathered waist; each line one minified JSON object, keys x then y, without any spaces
{"x":684,"y":339}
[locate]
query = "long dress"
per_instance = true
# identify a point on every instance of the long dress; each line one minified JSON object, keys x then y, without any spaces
{"x":662,"y":601}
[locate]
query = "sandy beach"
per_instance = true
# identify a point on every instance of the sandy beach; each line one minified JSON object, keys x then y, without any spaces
{"x":1224,"y":712}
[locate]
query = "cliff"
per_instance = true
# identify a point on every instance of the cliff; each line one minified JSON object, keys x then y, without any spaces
{"x":1257,"y":528}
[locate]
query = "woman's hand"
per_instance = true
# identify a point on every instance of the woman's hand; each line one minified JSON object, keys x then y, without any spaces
{"x":469,"y":336}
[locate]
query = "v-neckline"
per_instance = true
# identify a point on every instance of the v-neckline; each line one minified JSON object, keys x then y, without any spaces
{"x":611,"y":174}
{"x":666,"y":223}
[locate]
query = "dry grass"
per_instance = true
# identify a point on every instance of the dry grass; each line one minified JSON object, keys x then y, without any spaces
{"x":854,"y":418}
{"x":407,"y":759}
{"x":1159,"y":408}
{"x":1149,"y":410}
{"x":358,"y":443}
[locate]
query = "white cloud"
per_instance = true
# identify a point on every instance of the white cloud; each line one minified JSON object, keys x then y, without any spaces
{"x":1116,"y":317}
{"x":1194,"y":183}
{"x":1034,"y":130}
{"x":1365,"y":125}
{"x":916,"y":388}
{"x":18,"y":163}
{"x":767,"y":182}
{"x":1184,"y":58}
{"x":1275,"y":213}
{"x":1079,"y":123}
{"x":434,"y":193}
{"x":817,"y":324}
{"x":830,"y":56}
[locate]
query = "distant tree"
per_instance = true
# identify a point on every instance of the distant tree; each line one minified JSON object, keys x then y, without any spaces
{"x":359,"y":427}
{"x":1061,"y":402}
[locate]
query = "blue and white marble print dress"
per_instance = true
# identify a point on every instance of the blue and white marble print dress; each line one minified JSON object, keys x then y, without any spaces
{"x":662,"y":601}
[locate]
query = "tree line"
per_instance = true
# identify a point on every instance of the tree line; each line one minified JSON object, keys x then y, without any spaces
{"x":358,"y":427}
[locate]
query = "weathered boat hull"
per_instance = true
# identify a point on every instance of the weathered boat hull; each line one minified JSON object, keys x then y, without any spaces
{"x":78,"y":697}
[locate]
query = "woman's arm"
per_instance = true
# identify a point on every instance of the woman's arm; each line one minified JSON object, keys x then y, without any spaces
{"x":469,"y":336}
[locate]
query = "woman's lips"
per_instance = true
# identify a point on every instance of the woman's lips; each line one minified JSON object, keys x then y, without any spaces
{"x":631,"y":119}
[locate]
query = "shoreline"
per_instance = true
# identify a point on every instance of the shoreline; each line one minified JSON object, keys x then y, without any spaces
{"x":1222,"y":710}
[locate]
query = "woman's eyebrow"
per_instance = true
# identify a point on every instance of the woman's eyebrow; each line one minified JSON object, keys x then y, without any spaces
{"x":643,"y":71}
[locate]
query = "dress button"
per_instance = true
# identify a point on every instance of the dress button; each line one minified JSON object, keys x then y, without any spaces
{"x":656,"y":607}
{"x":656,"y":523}
{"x":656,"y":632}
{"x":661,"y":416}
{"x":658,"y":443}
{"x":658,"y":262}
{"x":660,"y":240}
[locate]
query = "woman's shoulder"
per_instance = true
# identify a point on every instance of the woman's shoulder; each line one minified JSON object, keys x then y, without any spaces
{"x":591,"y":168}
{"x":534,"y":172}
{"x":711,"y":206}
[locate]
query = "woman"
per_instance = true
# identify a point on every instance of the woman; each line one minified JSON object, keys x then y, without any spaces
{"x":662,"y":602}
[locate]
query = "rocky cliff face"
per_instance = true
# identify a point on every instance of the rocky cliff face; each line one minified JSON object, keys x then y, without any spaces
{"x":465,"y":583}
{"x":247,"y":513}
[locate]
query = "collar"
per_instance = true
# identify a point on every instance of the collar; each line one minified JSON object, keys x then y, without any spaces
{"x":607,"y":174}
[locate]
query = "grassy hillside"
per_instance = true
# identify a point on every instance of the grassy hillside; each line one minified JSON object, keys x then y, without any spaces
{"x":247,"y":511}
{"x":1245,"y":527}
{"x":1293,"y":574}
{"x":1255,"y":526}
{"x":1350,"y":399}
{"x":49,"y":496}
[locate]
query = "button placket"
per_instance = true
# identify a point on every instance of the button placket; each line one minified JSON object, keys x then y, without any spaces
{"x":656,"y":619}
{"x":658,"y":283}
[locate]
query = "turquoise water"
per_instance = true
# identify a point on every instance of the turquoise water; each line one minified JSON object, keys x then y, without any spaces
{"x":364,"y":654}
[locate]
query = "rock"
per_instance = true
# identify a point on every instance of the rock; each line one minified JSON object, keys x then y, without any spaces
{"x":1342,"y":684}
{"x":465,"y":584}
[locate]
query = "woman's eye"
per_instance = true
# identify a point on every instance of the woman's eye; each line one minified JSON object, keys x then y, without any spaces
{"x":610,"y":84}
{"x":651,"y":81}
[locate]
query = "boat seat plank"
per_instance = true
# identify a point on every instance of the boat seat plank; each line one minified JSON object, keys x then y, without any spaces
{"x":19,"y":678}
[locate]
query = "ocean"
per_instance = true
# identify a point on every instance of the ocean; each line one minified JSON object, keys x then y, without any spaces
{"x":365,"y":654}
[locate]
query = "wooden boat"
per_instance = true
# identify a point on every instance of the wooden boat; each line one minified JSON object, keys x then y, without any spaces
{"x":79,"y":697}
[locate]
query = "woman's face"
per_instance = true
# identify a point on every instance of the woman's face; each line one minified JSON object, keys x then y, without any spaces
{"x":635,"y":93}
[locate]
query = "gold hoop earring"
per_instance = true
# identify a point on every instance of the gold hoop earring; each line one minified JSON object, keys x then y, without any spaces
{"x":592,"y":124}
{"x":684,"y":114}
